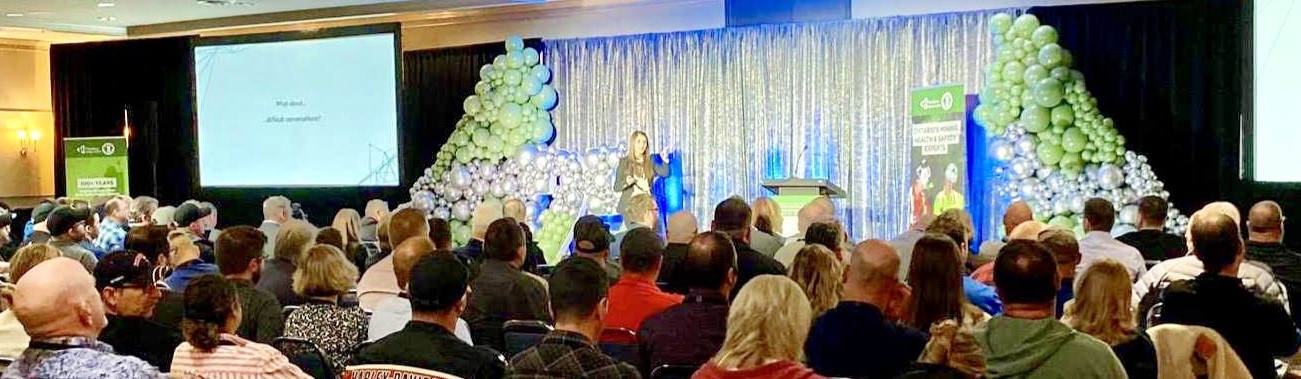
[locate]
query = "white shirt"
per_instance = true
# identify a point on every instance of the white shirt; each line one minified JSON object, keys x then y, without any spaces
{"x":392,"y":315}
{"x":786,"y":254}
{"x":1256,"y":276}
{"x":1096,"y":246}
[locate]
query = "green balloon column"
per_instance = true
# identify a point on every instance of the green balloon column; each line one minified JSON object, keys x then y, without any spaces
{"x":1054,"y":146}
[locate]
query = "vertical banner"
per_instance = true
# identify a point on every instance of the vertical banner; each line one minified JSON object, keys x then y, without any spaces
{"x":939,"y":150}
{"x":95,"y":166}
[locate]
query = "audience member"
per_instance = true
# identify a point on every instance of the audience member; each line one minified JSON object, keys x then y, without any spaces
{"x":635,"y":296}
{"x":323,"y":276}
{"x":936,"y":279}
{"x":732,"y":217}
{"x":151,"y":240}
{"x":126,"y":286}
{"x":91,"y":231}
{"x":1258,"y":329}
{"x":395,"y":312}
{"x":501,"y":291}
{"x":1026,"y":341}
{"x":1066,"y":252}
{"x":827,"y":232}
{"x":951,"y":348}
{"x":211,"y":350}
{"x":1099,"y":217}
{"x":640,"y":212}
{"x":1018,"y":212}
{"x":210,"y":231}
{"x":766,"y":237}
{"x":163,"y":216}
{"x":67,"y":225}
{"x":818,"y":272}
{"x":515,"y":209}
{"x":903,"y":243}
{"x":810,"y":213}
{"x":438,"y":293}
{"x":291,"y":241}
{"x":484,"y":215}
{"x":58,"y":307}
{"x":1150,"y":239}
{"x":954,"y":223}
{"x":40,"y":231}
{"x":376,"y":211}
{"x":856,"y":337}
{"x":682,"y":228}
{"x":348,"y":222}
{"x":142,"y":211}
{"x":766,"y":329}
{"x":380,"y":281}
{"x":688,"y":334}
{"x":592,"y":241}
{"x":185,"y":261}
{"x":113,"y":228}
{"x":331,"y":236}
{"x":440,"y":233}
{"x":578,"y":290}
{"x":1265,"y":245}
{"x":7,"y":247}
{"x":1103,"y":310}
{"x":189,"y":219}
{"x":1029,"y":231}
{"x":276,"y":210}
{"x":239,"y":258}
{"x":13,"y":338}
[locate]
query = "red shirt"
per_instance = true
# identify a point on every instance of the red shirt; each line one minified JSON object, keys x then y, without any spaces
{"x":775,"y":370}
{"x":633,"y":300}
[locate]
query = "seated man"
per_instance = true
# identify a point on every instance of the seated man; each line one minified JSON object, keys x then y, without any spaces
{"x":239,"y":257}
{"x":636,"y":296}
{"x":1026,"y":341}
{"x":1018,"y":212}
{"x":186,"y":262}
{"x":856,"y":339}
{"x":1265,"y":246}
{"x":393,"y":313}
{"x":734,"y":218}
{"x":592,"y":241}
{"x":58,"y":307}
{"x":380,"y":282}
{"x":1258,"y":329}
{"x":578,"y":299}
{"x":1150,"y":239}
{"x":1097,"y":244}
{"x":688,"y":334}
{"x":501,"y":291}
{"x":682,"y":228}
{"x":190,"y":219}
{"x":126,"y":286}
{"x":437,"y":290}
{"x":67,"y":227}
{"x":1066,"y":250}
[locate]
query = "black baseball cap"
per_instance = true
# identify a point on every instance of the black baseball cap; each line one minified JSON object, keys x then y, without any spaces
{"x":642,"y":242}
{"x":437,"y":282}
{"x":189,"y":212}
{"x":124,"y":269}
{"x":41,"y":212}
{"x":591,"y":235}
{"x":63,"y":218}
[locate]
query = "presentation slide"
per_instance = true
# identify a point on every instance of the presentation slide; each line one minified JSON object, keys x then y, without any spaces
{"x":1277,"y":51}
{"x":304,"y":113}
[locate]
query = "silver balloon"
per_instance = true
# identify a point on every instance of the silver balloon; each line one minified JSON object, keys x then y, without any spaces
{"x":460,"y":177}
{"x":1024,"y":146}
{"x":510,"y":185}
{"x":1122,"y":229}
{"x":1043,"y":172}
{"x":526,"y":154}
{"x":1030,"y":187}
{"x":453,"y":193}
{"x":461,"y":210}
{"x":1001,"y":150}
{"x":1061,"y":206}
{"x":442,"y":213}
{"x":487,"y":170}
{"x":1021,"y":168}
{"x":1110,"y":176}
{"x":480,"y":187}
{"x":497,"y":189}
{"x":1129,"y":214}
{"x":1077,"y":203}
{"x":1172,"y":214}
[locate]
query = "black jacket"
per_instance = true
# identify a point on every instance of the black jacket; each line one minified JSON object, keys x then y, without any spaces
{"x":432,"y":347}
{"x":1258,"y":329}
{"x":751,"y":263}
{"x":1286,"y":265}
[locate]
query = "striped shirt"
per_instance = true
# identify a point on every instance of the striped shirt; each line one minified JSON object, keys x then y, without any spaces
{"x":235,"y":358}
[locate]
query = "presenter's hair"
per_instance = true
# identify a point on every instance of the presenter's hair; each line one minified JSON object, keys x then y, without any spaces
{"x":632,"y":145}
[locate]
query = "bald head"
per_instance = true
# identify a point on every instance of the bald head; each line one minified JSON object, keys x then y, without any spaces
{"x":57,"y":298}
{"x":809,"y":214}
{"x":1225,"y":208}
{"x":828,"y":207}
{"x":683,"y":226}
{"x":874,"y":262}
{"x":1017,"y":213}
{"x":1265,"y":222}
{"x":406,"y":255}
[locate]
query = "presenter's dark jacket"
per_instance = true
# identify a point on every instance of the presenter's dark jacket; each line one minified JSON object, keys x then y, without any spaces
{"x":432,"y":347}
{"x":1258,"y":329}
{"x":502,"y":293}
{"x":1155,"y":245}
{"x":750,"y":263}
{"x":141,"y":338}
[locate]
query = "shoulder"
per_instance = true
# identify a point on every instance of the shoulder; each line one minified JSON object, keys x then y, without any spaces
{"x":1082,"y":343}
{"x":81,"y":361}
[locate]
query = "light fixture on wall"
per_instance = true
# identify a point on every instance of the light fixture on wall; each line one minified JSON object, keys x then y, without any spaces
{"x":27,"y":139}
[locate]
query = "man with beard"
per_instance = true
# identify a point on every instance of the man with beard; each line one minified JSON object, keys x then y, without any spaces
{"x":239,"y":258}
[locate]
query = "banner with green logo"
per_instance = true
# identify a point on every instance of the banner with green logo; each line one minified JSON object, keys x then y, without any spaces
{"x":95,"y":166}
{"x":939,"y":149}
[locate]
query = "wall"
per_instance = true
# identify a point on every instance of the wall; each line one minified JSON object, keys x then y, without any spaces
{"x":25,"y":104}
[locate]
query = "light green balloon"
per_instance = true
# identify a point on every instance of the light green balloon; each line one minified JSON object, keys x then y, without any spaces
{"x":512,"y":77}
{"x":1025,"y":24}
{"x":1062,"y":74}
{"x":509,"y":114}
{"x":1049,"y":153}
{"x":1000,"y":23}
{"x":1014,"y":71}
{"x":1035,"y":119}
{"x":1073,"y":140}
{"x":1044,"y":35}
{"x":1050,"y":55}
{"x":1034,"y":73}
{"x":1062,"y":115}
{"x":1062,"y":221}
{"x":480,"y":136}
{"x":1048,"y":92}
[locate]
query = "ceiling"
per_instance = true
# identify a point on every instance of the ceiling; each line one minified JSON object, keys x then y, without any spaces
{"x":134,"y":17}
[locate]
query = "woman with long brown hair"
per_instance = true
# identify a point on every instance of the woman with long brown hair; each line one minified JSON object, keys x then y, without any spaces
{"x":935,"y":275}
{"x":637,"y":170}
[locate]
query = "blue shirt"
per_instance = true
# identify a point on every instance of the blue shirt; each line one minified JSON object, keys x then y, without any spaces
{"x":77,"y":357}
{"x":982,"y":296}
{"x":28,"y":229}
{"x":186,"y":271}
{"x":112,"y":236}
{"x":855,"y":340}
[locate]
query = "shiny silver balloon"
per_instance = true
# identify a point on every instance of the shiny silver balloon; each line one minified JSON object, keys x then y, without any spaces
{"x":480,"y":187}
{"x":1021,"y":168}
{"x":1122,"y":229}
{"x":1024,"y":146}
{"x":461,"y":210}
{"x":1129,"y":214}
{"x":1061,"y":207}
{"x":1110,"y":176}
{"x":1077,"y":201}
{"x":459,"y":177}
{"x":1001,"y":150}
{"x":442,"y":213}
{"x":453,"y":193}
{"x":488,"y":170}
{"x":1030,"y":188}
{"x":496,"y":189}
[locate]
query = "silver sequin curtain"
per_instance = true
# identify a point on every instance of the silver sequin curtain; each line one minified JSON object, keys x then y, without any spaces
{"x":745,"y":104}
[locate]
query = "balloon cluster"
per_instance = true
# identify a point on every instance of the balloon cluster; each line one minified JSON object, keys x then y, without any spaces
{"x":509,"y":109}
{"x":1054,"y":148}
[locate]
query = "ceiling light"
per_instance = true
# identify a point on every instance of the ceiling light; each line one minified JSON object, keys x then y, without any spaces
{"x":13,"y":14}
{"x":223,"y":3}
{"x":106,"y":4}
{"x":107,"y":19}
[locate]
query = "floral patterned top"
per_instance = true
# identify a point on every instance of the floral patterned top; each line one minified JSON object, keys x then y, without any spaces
{"x":336,"y":330}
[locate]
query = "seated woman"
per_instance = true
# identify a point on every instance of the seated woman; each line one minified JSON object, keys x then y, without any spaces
{"x":211,"y":348}
{"x":324,"y":275}
{"x":935,"y":275}
{"x":820,"y":274}
{"x":766,"y":328}
{"x":13,"y":338}
{"x":1102,"y":308}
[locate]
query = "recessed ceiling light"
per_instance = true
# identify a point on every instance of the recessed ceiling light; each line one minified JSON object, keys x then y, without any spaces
{"x":106,"y":4}
{"x":107,"y":18}
{"x":224,"y":3}
{"x":14,"y":14}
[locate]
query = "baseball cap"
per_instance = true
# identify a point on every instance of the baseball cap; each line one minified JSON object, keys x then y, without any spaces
{"x":41,"y":212}
{"x":63,"y":218}
{"x":188,"y":213}
{"x":642,"y":242}
{"x":591,"y":235}
{"x":123,"y":269}
{"x":437,"y":281}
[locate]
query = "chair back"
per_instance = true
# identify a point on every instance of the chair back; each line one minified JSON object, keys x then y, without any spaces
{"x":620,"y":344}
{"x":394,"y":372}
{"x":1186,"y":351}
{"x":673,"y":372}
{"x":5,"y":362}
{"x":520,"y":335}
{"x":307,"y":356}
{"x":288,"y":309}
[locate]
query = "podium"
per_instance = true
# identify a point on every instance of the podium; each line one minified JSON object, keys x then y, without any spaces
{"x":791,"y":194}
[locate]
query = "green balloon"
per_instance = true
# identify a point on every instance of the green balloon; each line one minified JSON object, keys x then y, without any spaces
{"x":1000,"y":23}
{"x":1034,"y":73}
{"x":1062,"y":115}
{"x":1049,"y":153}
{"x":1062,"y":221}
{"x":1048,"y":92}
{"x":1014,"y":71}
{"x":1073,"y":140}
{"x":1062,"y":74}
{"x":1044,"y":35}
{"x":1067,"y":58}
{"x":1035,"y":119}
{"x":1087,"y":155}
{"x":1050,"y":55}
{"x":1025,"y":24}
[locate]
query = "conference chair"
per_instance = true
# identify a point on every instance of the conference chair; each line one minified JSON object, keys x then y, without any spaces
{"x":523,"y":334}
{"x":620,"y":344}
{"x":394,"y":372}
{"x":306,"y":355}
{"x":673,"y":372}
{"x":5,"y":362}
{"x":289,"y":309}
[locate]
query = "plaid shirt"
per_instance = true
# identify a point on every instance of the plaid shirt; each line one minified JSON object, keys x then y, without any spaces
{"x":77,"y":357}
{"x":112,"y":236}
{"x":564,"y":354}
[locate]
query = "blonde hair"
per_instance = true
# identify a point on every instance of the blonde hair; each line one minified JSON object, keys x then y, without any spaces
{"x":1028,"y":230}
{"x":1102,"y":305}
{"x":638,"y":205}
{"x":348,"y":223}
{"x":27,"y":257}
{"x":769,"y":319}
{"x":767,"y":215}
{"x":955,"y":346}
{"x":514,"y":208}
{"x":295,"y":236}
{"x":324,"y":271}
{"x":818,"y":272}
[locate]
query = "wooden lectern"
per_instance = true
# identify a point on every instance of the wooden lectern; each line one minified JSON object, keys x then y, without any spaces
{"x":793,"y":193}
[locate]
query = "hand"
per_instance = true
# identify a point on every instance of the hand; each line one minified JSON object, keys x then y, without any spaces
{"x":664,"y":152}
{"x":630,"y":180}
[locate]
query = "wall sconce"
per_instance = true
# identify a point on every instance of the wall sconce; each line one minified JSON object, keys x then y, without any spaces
{"x":27,"y":139}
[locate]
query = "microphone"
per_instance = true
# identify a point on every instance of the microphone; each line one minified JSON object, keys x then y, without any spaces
{"x":799,"y":160}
